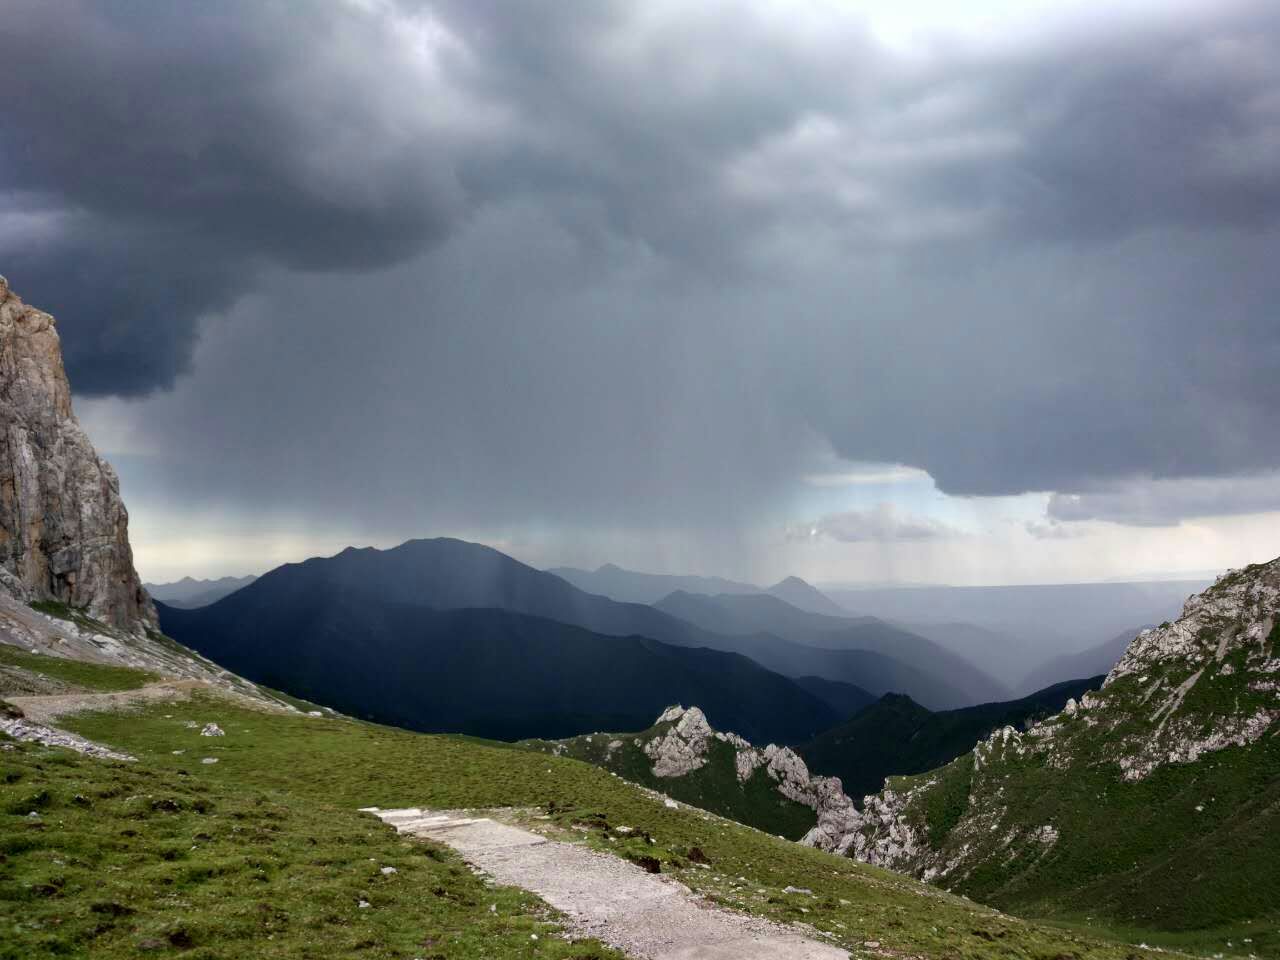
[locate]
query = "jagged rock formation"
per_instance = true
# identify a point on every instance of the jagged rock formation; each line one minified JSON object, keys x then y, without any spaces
{"x":1171,"y":763}
{"x":1229,"y":631}
{"x":682,"y":743}
{"x":64,"y":531}
{"x":684,"y":748}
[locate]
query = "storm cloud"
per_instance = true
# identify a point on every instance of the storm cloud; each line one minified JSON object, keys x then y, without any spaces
{"x":651,"y":265}
{"x":1142,"y":501}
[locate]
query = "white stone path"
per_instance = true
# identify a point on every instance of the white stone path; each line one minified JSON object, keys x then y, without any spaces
{"x":644,"y":915}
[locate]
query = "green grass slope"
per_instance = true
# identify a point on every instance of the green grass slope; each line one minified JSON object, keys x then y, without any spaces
{"x":1154,"y":803}
{"x":264,"y":854}
{"x":1191,"y":850}
{"x":89,"y":676}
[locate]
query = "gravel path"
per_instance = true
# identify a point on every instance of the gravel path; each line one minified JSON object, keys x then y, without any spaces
{"x":645,"y":915}
{"x":46,"y":709}
{"x":39,"y":713}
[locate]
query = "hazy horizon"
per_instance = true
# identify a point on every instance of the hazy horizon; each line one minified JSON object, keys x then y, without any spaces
{"x":1176,"y":576}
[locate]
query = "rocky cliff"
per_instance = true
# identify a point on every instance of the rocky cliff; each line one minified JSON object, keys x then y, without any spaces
{"x":64,"y":531}
{"x":1133,"y":801}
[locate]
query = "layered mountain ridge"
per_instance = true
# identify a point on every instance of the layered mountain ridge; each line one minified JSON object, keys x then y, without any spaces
{"x":439,"y":636}
{"x":866,"y":651}
{"x":189,"y":592}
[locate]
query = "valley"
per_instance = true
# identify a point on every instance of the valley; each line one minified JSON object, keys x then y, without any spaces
{"x":605,"y":481}
{"x":184,"y":854}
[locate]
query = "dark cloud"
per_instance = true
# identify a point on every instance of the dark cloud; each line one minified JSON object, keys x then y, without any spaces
{"x":126,"y":302}
{"x":1157,"y":503}
{"x":187,"y":146}
{"x":599,"y":261}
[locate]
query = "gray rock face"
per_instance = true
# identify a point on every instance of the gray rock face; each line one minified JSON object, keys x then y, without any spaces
{"x":64,"y":531}
{"x":1226,"y":631}
{"x":684,"y":747}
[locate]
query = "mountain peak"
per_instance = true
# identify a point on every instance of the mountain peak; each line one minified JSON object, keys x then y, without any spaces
{"x":806,"y":596}
{"x":63,"y":527}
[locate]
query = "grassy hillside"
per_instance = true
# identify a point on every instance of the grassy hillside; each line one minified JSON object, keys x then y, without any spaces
{"x":897,"y":736}
{"x":1192,"y":849}
{"x":264,"y":853}
{"x":1153,"y":803}
{"x":90,"y":676}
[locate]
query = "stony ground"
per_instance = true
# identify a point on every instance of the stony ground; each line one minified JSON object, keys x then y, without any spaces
{"x":46,"y":709}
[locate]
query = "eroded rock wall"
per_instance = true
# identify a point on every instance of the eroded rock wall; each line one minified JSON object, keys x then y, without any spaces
{"x":64,"y":531}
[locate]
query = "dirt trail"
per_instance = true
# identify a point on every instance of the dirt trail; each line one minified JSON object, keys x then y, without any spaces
{"x":41,"y":712}
{"x":645,"y":915}
{"x":46,"y":709}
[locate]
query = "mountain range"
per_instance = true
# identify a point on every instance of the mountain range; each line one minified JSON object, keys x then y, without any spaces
{"x":871,"y":653}
{"x":447,"y":574}
{"x":451,"y":636}
{"x":1025,"y":637}
{"x":190,"y":592}
{"x":1045,"y":620}
{"x":630,"y":586}
{"x":1099,"y":659}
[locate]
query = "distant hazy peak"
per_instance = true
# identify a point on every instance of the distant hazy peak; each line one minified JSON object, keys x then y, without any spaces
{"x":190,"y":592}
{"x":806,"y":596}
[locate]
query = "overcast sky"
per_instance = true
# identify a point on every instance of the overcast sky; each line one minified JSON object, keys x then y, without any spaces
{"x":862,"y":291}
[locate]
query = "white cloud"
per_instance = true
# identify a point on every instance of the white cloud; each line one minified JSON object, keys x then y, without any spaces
{"x":881,"y":523}
{"x":869,"y":475}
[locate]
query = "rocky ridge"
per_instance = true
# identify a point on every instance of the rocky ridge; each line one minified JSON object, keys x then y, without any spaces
{"x":64,"y":531}
{"x":682,"y":742}
{"x":1182,"y":693}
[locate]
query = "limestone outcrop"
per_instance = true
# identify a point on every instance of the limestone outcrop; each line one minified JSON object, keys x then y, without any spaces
{"x":64,"y":531}
{"x":685,"y":746}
